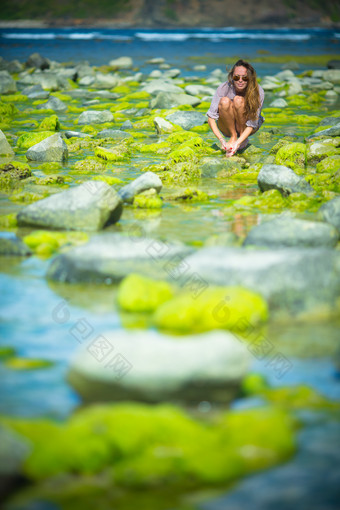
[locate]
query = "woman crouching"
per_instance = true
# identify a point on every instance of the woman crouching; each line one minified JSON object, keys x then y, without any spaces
{"x":235,"y":110}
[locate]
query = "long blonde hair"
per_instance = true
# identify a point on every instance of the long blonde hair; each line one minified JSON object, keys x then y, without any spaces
{"x":252,"y":96}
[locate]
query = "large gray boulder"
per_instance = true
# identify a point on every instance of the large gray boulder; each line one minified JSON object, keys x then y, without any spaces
{"x":151,"y":367}
{"x":37,"y":61}
{"x":292,"y":232}
{"x":154,"y":87}
{"x":283,"y":179}
{"x":166,"y":100}
{"x":5,"y":148}
{"x":330,"y":212}
{"x":199,"y":90}
{"x":11,"y":245}
{"x":295,"y":280}
{"x":7,"y":84}
{"x":53,"y":103}
{"x":187,"y":120}
{"x":148,"y":180}
{"x":52,"y":148}
{"x":110,"y":257}
{"x":95,"y":117}
{"x":332,"y":131}
{"x":90,"y":206}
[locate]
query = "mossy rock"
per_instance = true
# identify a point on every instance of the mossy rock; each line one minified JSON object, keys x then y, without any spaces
{"x":50,"y":167}
{"x":157,"y":446}
{"x":183,"y":154}
{"x":8,"y":221}
{"x":118,"y":153}
{"x":50,"y":123}
{"x":89,"y":165}
{"x":109,"y":179}
{"x":137,"y":293}
{"x":216,"y":308}
{"x":154,"y":148}
{"x":190,"y":195}
{"x":179,"y":173}
{"x":45,"y":243}
{"x":27,"y":140}
{"x":6,"y":352}
{"x":180,"y":136}
{"x":27,"y":363}
{"x":12,"y":174}
{"x":147,"y":200}
{"x":318,"y":151}
{"x":7,"y":109}
{"x":292,"y":155}
{"x":329,"y":164}
{"x":51,"y":180}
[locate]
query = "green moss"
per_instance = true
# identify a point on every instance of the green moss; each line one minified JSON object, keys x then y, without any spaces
{"x":190,"y":195}
{"x":12,"y":174}
{"x":157,"y":148}
{"x":320,"y":151}
{"x":216,"y":308}
{"x":8,"y":221}
{"x":45,"y":243}
{"x":26,"y":363}
{"x":27,"y":140}
{"x":137,"y":293}
{"x":118,"y":153}
{"x":89,"y":165}
{"x":292,"y":155}
{"x":51,"y":180}
{"x":110,"y":180}
{"x":179,"y":173}
{"x":49,"y":167}
{"x":15,"y":98}
{"x":150,"y":446}
{"x":7,"y":109}
{"x":6,"y":352}
{"x":50,"y":123}
{"x":147,"y":201}
{"x":329,"y":164}
{"x":181,"y":136}
{"x":183,"y":154}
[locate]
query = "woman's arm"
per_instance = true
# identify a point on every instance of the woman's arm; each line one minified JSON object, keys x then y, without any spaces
{"x":213,"y":126}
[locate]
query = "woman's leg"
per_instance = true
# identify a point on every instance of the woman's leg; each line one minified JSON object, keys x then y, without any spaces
{"x":227,"y":119}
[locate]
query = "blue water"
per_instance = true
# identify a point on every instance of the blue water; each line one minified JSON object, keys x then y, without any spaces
{"x":99,"y":46}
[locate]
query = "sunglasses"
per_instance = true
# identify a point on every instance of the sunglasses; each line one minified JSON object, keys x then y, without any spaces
{"x":236,"y":77}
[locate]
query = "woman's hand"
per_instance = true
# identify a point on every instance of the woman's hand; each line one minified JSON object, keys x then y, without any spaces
{"x":223,"y":144}
{"x":232,"y":149}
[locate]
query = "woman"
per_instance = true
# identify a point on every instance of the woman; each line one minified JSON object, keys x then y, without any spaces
{"x":235,"y":109}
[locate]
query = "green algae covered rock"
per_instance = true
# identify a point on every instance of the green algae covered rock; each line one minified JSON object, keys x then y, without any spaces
{"x":50,"y":123}
{"x":182,"y":154}
{"x":147,"y":200}
{"x":216,"y":308}
{"x":292,"y":155}
{"x":12,"y":174}
{"x":138,"y":293}
{"x":317,"y":151}
{"x":45,"y":243}
{"x":118,"y":153}
{"x":190,"y":195}
{"x":27,"y":140}
{"x":178,"y":173}
{"x":161,"y":444}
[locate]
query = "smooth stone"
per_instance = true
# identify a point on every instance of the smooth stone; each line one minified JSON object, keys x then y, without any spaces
{"x":331,"y":95}
{"x":91,"y":206}
{"x":127,"y":124}
{"x":108,"y":258}
{"x":333,"y":64}
{"x":54,"y":104}
{"x":95,"y":117}
{"x":76,"y":134}
{"x":115,"y":134}
{"x":84,"y":70}
{"x":292,"y":232}
{"x":330,"y":121}
{"x":167,"y":100}
{"x":330,"y":212}
{"x":37,"y":61}
{"x":283,"y":179}
{"x":154,"y":87}
{"x":199,"y":90}
{"x":52,"y":148}
{"x":162,"y":125}
{"x":332,"y":75}
{"x":106,"y":81}
{"x":294,"y":280}
{"x":148,"y":180}
{"x":5,"y":148}
{"x":122,"y":63}
{"x":10,"y":244}
{"x":151,"y":367}
{"x":285,"y":75}
{"x":7,"y":84}
{"x":187,"y":120}
{"x":332,"y":131}
{"x":172,"y":73}
{"x":278,"y":103}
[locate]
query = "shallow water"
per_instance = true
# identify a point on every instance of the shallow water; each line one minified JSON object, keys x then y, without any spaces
{"x":29,"y":305}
